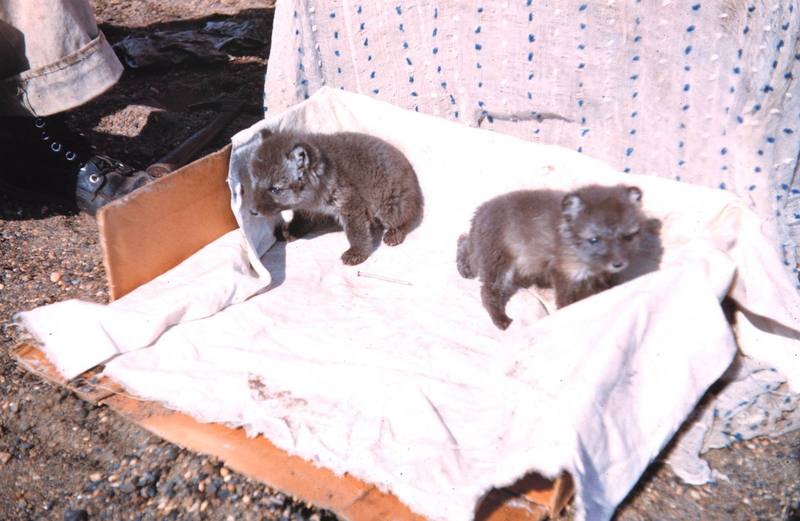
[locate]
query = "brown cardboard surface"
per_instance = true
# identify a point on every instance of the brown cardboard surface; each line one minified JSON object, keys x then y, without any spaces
{"x":87,"y":386}
{"x":154,"y":229}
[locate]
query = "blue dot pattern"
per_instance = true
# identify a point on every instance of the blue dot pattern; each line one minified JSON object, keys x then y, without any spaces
{"x":756,"y":403}
{"x":688,"y":91}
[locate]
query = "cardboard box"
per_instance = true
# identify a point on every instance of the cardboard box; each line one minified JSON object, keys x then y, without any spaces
{"x":150,"y":231}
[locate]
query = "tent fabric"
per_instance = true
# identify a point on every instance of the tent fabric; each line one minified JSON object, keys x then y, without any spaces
{"x":699,"y":91}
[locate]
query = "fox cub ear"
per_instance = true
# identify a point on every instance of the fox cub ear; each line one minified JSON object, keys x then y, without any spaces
{"x":303,"y":158}
{"x":634,"y":195}
{"x":571,"y":206}
{"x":299,"y":156}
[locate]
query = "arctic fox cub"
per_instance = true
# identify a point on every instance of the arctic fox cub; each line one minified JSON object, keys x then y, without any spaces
{"x":573,"y":242}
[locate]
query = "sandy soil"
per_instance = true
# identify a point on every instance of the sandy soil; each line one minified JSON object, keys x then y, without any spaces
{"x":61,"y":458}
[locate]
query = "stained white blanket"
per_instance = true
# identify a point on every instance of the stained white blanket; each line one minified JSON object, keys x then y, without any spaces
{"x":392,"y":370}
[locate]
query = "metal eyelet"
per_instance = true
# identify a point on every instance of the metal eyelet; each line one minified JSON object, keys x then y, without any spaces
{"x":94,"y":178}
{"x":39,"y":123}
{"x":55,"y":147}
{"x":70,"y":155}
{"x":45,"y":136}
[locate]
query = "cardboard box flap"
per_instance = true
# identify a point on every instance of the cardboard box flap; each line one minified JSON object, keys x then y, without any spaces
{"x":158,"y":226}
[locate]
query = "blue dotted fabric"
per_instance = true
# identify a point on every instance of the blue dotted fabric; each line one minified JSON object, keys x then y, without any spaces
{"x":694,"y":91}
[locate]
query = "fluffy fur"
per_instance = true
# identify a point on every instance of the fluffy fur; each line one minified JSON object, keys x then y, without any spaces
{"x":361,"y":182}
{"x":575,"y":242}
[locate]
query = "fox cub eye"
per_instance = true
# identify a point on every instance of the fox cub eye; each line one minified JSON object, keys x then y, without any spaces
{"x":275,"y":190}
{"x":593,"y":240}
{"x":629,"y":237}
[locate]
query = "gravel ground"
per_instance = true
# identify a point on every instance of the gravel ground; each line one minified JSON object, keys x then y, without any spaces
{"x":62,"y":458}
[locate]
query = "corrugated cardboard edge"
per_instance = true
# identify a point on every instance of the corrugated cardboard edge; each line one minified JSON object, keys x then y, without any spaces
{"x":154,"y":229}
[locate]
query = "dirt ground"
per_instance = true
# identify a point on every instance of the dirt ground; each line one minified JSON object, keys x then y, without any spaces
{"x":61,"y":458}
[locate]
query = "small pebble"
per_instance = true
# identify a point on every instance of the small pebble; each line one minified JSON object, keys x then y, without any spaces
{"x":4,"y":457}
{"x":55,"y":276}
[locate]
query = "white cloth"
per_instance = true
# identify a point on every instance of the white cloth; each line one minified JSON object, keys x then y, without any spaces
{"x":78,"y":335}
{"x":403,"y":381}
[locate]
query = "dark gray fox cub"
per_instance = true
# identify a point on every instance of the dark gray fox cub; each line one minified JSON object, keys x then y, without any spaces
{"x":574,"y":242}
{"x":358,"y":181}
